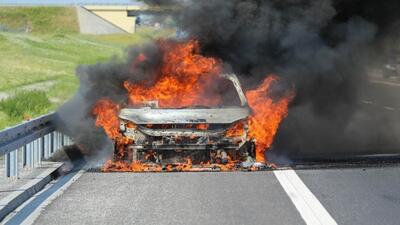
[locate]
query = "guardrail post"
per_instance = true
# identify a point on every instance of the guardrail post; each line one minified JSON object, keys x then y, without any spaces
{"x":60,"y":141}
{"x":37,"y":151}
{"x":29,"y":155}
{"x":51,"y":143}
{"x":42,"y":144}
{"x":11,"y":161}
{"x":46,"y":146}
{"x":57,"y":145}
{"x":55,"y":141}
{"x":34,"y":152}
{"x":34,"y":147}
{"x":24,"y":155}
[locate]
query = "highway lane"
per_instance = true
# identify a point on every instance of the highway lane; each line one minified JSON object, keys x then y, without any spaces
{"x":350,"y":196}
{"x":366,"y":195}
{"x":173,"y":198}
{"x":383,"y":94}
{"x":357,"y":196}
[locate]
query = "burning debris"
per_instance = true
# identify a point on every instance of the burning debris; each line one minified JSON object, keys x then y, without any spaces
{"x":178,"y":116}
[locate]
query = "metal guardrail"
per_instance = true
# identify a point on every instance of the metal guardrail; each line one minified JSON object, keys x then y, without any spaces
{"x":34,"y":140}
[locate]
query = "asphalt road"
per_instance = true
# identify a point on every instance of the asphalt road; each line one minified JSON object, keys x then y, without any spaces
{"x":173,"y":198}
{"x":349,"y":196}
{"x":357,"y":196}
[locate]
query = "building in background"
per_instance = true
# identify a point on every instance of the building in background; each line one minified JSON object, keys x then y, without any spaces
{"x":99,"y":17}
{"x":107,"y":19}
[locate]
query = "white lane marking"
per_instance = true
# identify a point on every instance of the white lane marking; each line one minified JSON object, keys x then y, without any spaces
{"x":385,"y":82}
{"x":310,"y":209}
{"x":35,"y":214}
{"x":389,"y":108}
{"x":385,"y":107}
{"x":367,"y":102}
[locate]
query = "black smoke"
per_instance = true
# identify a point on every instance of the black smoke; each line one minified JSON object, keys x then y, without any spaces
{"x":103,"y":80}
{"x":295,"y":39}
{"x":325,"y":48}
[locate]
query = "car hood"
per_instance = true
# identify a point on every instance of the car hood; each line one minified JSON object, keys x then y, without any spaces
{"x":184,"y":116}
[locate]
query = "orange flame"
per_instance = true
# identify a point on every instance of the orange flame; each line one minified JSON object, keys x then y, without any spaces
{"x":106,"y":113}
{"x":267,"y":115}
{"x":182,"y":80}
{"x":236,"y":130}
{"x":136,"y":166}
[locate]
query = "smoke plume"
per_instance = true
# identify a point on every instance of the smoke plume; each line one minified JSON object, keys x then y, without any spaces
{"x":325,"y":48}
{"x":103,"y":80}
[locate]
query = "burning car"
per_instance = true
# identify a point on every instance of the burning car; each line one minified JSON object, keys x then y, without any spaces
{"x":186,"y":107}
{"x":215,"y":135}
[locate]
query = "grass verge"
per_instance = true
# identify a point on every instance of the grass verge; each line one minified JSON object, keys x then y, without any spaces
{"x":39,"y":19}
{"x":24,"y":105}
{"x":40,"y":48}
{"x":33,"y":59}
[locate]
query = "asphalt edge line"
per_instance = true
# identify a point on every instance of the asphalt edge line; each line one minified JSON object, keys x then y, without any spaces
{"x":36,"y":213}
{"x":309,"y":207}
{"x":18,"y":197}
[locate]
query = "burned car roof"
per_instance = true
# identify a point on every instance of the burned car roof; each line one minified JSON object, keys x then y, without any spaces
{"x":155,"y":115}
{"x":184,"y":116}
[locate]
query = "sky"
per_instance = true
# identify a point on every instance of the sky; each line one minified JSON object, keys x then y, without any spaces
{"x":64,"y":2}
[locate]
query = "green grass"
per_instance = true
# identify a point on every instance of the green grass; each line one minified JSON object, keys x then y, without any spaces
{"x":24,"y":105}
{"x":52,"y":51}
{"x":40,"y":19}
{"x":29,"y":60}
{"x":5,"y":120}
